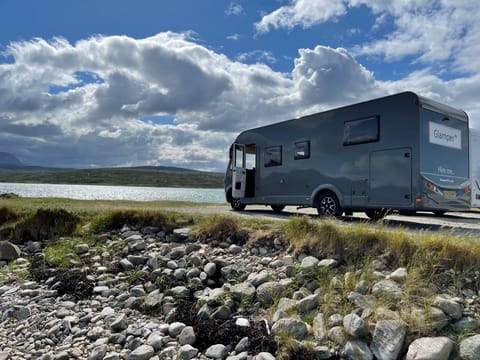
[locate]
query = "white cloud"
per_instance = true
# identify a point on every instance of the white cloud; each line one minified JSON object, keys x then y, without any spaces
{"x":234,"y":9}
{"x":259,"y":56}
{"x":303,"y":13}
{"x":106,"y":84}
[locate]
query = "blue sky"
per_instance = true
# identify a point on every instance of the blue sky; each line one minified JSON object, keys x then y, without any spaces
{"x":123,"y":83}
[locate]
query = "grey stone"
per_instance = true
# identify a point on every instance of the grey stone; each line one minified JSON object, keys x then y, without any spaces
{"x":293,"y":327}
{"x":355,"y":326}
{"x":337,"y":335}
{"x":155,"y":339}
{"x":399,"y":275}
{"x":242,"y":345}
{"x":210,"y":269}
{"x":98,"y":352}
{"x":120,"y":323}
{"x":143,"y":352}
{"x":309,"y":263}
{"x":243,"y":292}
{"x":318,"y":327}
{"x":258,"y":279}
{"x":187,"y":336}
{"x":137,"y":260}
{"x":234,"y":249}
{"x":217,"y":351}
{"x":133,"y":238}
{"x":81,"y":249}
{"x":181,"y":234}
{"x":221,"y":313}
{"x":465,"y":324}
{"x":154,"y":299}
{"x":449,"y":306}
{"x":267,"y":292}
{"x":387,"y":288}
{"x":180,"y":291}
{"x":388,"y":339}
{"x":137,"y":291}
{"x":187,"y":352}
{"x":241,"y":356}
{"x":357,"y":350}
{"x":175,"y":329}
{"x":264,"y":356}
{"x":307,"y":304}
{"x":125,"y":264}
{"x":430,"y":348}
{"x":470,"y":348}
{"x":328,"y":263}
{"x":9,"y":251}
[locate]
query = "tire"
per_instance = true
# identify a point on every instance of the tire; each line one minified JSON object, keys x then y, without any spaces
{"x":277,"y":208}
{"x":377,"y":214}
{"x":237,"y":205}
{"x":328,"y":205}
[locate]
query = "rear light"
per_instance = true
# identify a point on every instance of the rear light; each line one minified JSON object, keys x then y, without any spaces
{"x":430,"y":186}
{"x":467,"y":189}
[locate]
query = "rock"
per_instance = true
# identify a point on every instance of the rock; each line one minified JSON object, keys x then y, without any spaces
{"x":9,"y":251}
{"x":242,"y":345}
{"x":388,"y":339}
{"x":217,"y":351}
{"x":210,"y":269}
{"x":309,"y":263}
{"x":337,"y":335}
{"x":293,"y":327}
{"x":175,"y":329}
{"x":328,"y":263}
{"x":387,"y":288}
{"x":187,"y":352}
{"x":264,"y":356}
{"x":357,"y":350}
{"x":307,"y":304}
{"x":120,"y":323}
{"x":399,"y":275}
{"x":154,"y":299}
{"x":355,"y":326}
{"x":449,"y":306}
{"x":181,"y":234}
{"x":98,"y":353}
{"x":430,"y":348}
{"x":470,"y":348}
{"x":243,"y":292}
{"x":143,"y":352}
{"x":318,"y":327}
{"x":267,"y":292}
{"x":187,"y":336}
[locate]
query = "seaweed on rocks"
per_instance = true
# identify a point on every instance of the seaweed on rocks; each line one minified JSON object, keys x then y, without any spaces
{"x":65,"y":281}
{"x":209,"y":331}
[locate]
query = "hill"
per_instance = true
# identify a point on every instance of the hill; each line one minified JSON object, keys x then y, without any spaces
{"x":136,"y":176}
{"x":8,"y":161}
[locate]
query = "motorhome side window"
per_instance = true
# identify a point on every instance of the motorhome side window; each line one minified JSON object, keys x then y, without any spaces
{"x":361,"y":131}
{"x":302,"y":150}
{"x":273,"y":156}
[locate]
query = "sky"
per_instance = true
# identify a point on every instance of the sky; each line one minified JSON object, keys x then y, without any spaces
{"x":107,"y":83}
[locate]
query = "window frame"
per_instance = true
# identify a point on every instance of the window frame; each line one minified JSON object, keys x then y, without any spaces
{"x":272,"y":161}
{"x":364,"y":138}
{"x":296,"y":155}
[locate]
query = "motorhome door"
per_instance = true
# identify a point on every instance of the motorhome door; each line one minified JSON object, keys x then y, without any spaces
{"x":239,"y":171}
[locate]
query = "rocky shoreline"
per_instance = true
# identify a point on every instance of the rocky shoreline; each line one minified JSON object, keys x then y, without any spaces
{"x":163,"y":295}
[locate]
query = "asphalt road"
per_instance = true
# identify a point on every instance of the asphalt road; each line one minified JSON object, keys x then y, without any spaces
{"x":462,"y":223}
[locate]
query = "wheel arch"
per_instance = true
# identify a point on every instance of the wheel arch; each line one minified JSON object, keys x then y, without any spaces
{"x":327,"y":188}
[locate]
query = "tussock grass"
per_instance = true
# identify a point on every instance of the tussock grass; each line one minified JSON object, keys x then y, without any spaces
{"x":115,"y":220}
{"x":44,"y":224}
{"x":354,"y":244}
{"x":62,"y":254}
{"x":220,"y":228}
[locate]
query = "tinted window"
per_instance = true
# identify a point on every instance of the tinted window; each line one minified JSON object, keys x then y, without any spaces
{"x":361,"y":131}
{"x":273,"y":156}
{"x":302,"y":150}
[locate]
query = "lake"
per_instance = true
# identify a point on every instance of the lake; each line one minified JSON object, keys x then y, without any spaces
{"x":102,"y":192}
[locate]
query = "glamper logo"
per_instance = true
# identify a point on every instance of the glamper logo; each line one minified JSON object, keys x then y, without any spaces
{"x":445,"y":135}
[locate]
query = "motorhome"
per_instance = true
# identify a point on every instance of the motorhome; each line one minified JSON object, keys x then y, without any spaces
{"x":475,"y":166}
{"x":401,"y":152}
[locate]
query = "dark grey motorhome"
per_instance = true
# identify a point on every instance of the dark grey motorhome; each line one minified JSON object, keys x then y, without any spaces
{"x":401,"y":152}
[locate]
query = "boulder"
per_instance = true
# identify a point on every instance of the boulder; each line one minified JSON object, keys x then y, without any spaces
{"x":9,"y":251}
{"x":470,"y":348}
{"x":388,"y":339}
{"x":430,"y":348}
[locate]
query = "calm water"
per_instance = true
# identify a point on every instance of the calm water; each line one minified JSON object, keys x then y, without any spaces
{"x":100,"y":192}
